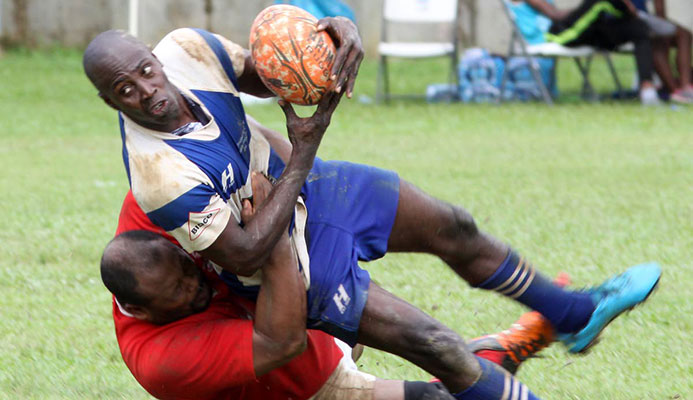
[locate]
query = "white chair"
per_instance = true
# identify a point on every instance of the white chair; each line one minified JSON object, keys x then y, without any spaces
{"x":582,"y":56}
{"x":412,"y":13}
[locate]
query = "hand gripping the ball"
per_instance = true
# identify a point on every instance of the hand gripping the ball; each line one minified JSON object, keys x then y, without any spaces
{"x":300,"y":58}
{"x":349,"y":52}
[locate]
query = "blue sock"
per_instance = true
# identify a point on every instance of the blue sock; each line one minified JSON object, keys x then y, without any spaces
{"x":567,"y":310}
{"x":495,"y":384}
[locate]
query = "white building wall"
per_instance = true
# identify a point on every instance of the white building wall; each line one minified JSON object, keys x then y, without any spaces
{"x":75,"y":22}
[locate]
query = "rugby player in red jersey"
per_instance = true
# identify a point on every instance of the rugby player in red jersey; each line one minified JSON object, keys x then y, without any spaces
{"x":196,"y":339}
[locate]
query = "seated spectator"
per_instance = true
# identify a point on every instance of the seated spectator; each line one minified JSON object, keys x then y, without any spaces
{"x":681,"y":90}
{"x":605,"y":25}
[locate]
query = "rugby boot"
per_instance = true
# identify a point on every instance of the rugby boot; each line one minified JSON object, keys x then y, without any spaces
{"x":526,"y":337}
{"x":618,"y":294}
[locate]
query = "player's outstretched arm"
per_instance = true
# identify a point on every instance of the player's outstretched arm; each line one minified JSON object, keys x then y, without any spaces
{"x":279,"y":331}
{"x":243,"y":249}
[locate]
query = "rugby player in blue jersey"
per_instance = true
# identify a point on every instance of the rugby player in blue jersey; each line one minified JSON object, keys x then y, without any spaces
{"x":188,"y":151}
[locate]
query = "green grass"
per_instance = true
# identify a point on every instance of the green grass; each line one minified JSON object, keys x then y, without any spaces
{"x":583,"y":188}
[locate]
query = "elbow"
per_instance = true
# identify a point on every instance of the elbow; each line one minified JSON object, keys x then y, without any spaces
{"x":240,"y":257}
{"x":251,"y":259}
{"x":248,"y":267}
{"x":245,"y":263}
{"x":246,"y":270}
{"x":293,"y":346}
{"x":297,"y":344}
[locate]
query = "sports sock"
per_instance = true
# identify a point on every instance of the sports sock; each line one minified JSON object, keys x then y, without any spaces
{"x":567,"y":310}
{"x":495,"y":384}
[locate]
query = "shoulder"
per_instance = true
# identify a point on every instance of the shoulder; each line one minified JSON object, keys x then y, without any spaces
{"x":189,"y":60}
{"x":193,"y":43}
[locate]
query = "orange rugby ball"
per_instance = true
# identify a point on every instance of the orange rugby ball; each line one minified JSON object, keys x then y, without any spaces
{"x":291,"y":57}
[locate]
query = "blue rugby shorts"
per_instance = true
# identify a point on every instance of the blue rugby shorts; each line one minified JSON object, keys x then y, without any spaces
{"x":351,"y":210}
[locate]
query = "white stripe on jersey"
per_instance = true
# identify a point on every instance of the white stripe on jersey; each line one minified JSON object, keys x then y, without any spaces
{"x":188,"y":59}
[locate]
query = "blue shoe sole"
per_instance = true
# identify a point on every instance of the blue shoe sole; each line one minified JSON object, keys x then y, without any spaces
{"x":583,"y":345}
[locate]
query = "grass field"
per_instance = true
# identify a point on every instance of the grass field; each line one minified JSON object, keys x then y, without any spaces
{"x":583,"y":188}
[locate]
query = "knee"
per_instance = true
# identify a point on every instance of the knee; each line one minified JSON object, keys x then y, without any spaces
{"x":451,"y":348}
{"x":460,"y":226}
{"x":437,"y":343}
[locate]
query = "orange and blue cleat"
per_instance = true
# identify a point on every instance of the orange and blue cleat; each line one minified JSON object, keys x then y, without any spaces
{"x":526,"y":337}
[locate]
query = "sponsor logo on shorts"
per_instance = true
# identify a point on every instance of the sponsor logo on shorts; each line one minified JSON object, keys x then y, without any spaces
{"x":198,"y":222}
{"x":341,"y":299}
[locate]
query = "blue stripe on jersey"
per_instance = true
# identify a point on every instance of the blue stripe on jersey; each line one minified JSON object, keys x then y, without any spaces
{"x":176,"y":213}
{"x":243,"y":140}
{"x":228,"y":112}
{"x":126,"y":158}
{"x":221,"y":54}
{"x":218,"y":159}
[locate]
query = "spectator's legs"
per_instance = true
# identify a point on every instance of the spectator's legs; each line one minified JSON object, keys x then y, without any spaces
{"x":608,"y":31}
{"x":681,"y":89}
{"x":683,"y":55}
{"x":614,"y":32}
{"x":645,"y":63}
{"x":636,"y":31}
{"x":660,"y":56}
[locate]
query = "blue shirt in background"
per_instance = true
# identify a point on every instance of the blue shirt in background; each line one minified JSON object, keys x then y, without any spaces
{"x":640,"y":4}
{"x":532,"y":24}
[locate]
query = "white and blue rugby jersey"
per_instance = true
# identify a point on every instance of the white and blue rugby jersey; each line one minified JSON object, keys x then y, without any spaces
{"x":192,"y":185}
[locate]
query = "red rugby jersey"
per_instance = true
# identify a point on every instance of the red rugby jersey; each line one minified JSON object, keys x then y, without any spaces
{"x":209,"y":355}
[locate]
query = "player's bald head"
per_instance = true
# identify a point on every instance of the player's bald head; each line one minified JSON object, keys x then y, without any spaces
{"x":128,"y":256}
{"x":153,"y":279}
{"x":104,"y":51}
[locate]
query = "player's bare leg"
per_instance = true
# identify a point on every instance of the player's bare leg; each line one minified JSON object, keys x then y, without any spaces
{"x":391,"y":324}
{"x":509,"y":348}
{"x":426,"y":224}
